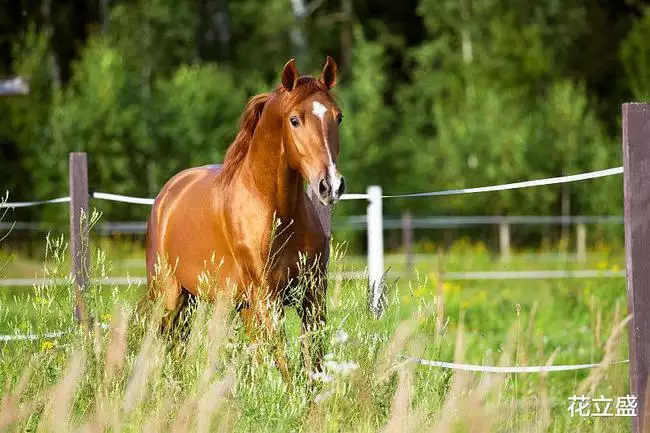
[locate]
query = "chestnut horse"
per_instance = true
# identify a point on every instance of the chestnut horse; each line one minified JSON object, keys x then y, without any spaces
{"x":222,"y":221}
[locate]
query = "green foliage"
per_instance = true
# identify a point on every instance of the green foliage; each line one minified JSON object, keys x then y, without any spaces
{"x":635,"y":55}
{"x":483,"y":107}
{"x":261,"y":46}
{"x":366,"y":131}
{"x":575,"y":143}
{"x":188,"y":119}
{"x":27,"y":118}
{"x":196,"y":119}
{"x":154,"y":36}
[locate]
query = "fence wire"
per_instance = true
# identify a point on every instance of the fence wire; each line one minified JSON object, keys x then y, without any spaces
{"x":501,"y":187}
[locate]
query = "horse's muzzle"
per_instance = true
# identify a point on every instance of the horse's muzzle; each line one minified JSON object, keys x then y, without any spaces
{"x":330,"y":188}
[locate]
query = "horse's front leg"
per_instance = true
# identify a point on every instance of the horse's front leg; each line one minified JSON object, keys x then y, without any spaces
{"x":264,"y":324}
{"x":313,"y":312}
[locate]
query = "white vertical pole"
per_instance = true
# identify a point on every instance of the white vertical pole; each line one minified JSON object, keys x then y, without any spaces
{"x":375,"y":246}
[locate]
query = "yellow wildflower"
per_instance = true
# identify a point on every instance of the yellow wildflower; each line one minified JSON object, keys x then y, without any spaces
{"x":47,"y":345}
{"x":465,"y":304}
{"x":450,"y":287}
{"x":602,"y":265}
{"x":616,"y":268}
{"x":406,"y":299}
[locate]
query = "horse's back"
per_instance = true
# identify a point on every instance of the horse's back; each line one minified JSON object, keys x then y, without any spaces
{"x":184,"y":198}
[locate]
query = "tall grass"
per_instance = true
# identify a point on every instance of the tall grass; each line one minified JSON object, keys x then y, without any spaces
{"x":127,"y":377}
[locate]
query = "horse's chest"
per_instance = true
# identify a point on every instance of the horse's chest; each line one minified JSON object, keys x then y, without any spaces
{"x":297,"y":258}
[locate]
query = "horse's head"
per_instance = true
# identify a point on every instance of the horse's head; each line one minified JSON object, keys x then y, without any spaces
{"x":310,"y":127}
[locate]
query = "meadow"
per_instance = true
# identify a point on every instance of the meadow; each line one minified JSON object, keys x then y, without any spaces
{"x":125,"y":377}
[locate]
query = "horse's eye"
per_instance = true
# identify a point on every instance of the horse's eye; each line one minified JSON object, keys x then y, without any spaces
{"x":339,"y":119}
{"x":294,"y":122}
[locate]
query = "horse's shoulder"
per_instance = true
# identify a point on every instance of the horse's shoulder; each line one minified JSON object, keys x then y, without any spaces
{"x":213,"y":168}
{"x":187,"y":180}
{"x":192,"y":174}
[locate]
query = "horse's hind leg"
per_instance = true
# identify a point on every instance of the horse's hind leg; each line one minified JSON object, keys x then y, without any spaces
{"x":165,"y":289}
{"x":181,"y":321}
{"x":175,"y":299}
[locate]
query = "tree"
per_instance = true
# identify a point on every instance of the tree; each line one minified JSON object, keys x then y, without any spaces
{"x":26,"y":130}
{"x":635,"y":55}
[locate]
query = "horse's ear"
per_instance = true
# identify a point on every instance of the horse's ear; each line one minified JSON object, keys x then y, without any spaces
{"x":290,"y":75}
{"x":328,"y":76}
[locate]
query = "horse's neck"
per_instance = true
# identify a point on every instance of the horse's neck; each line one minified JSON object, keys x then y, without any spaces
{"x":266,"y":167}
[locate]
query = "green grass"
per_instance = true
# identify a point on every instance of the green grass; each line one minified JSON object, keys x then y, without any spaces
{"x":217,"y":384}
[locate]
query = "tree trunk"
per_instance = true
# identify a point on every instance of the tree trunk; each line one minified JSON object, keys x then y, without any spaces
{"x":466,"y":45}
{"x":466,"y":40}
{"x":217,"y":28}
{"x":298,"y":33}
{"x":346,"y":35}
{"x":103,"y":15}
{"x":55,"y":69}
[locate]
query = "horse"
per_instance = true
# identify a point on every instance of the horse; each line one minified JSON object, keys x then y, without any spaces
{"x":248,"y":222}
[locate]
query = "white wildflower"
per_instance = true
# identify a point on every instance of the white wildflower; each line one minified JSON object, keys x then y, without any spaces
{"x":331,"y":365}
{"x":343,"y":368}
{"x":341,"y":337}
{"x":321,"y":376}
{"x":348,"y":367}
{"x":323,"y":396}
{"x":329,"y":356}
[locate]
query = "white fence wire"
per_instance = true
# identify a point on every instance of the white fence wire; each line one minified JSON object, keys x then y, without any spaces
{"x":19,"y":204}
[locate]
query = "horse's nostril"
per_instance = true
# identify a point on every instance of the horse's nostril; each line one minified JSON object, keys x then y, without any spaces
{"x":341,"y":187}
{"x":323,"y":188}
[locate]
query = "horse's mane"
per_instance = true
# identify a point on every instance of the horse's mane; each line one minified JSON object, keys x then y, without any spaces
{"x":249,"y":119}
{"x":238,"y":149}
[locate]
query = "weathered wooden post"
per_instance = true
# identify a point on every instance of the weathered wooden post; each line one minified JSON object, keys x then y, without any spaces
{"x":504,"y":240}
{"x":407,"y":240}
{"x":79,"y":251}
{"x":581,"y":242}
{"x":636,"y":187}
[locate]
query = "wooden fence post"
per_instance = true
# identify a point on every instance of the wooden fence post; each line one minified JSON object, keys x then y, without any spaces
{"x":504,"y":241}
{"x":636,"y":188}
{"x":581,"y":242}
{"x":79,"y":251}
{"x":407,"y":240}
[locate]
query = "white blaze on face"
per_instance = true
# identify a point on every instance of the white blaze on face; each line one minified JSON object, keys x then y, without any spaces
{"x":335,"y":181}
{"x":319,"y":110}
